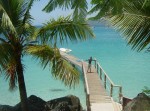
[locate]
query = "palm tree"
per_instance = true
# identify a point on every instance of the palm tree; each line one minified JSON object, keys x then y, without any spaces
{"x":19,"y":38}
{"x":79,"y":7}
{"x":130,"y":17}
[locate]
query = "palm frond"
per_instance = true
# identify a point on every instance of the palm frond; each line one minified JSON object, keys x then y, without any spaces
{"x":25,"y":28}
{"x":65,"y":71}
{"x":79,"y":7}
{"x":44,"y":53}
{"x":33,"y":33}
{"x":16,"y":18}
{"x":130,"y":17}
{"x":8,"y":64}
{"x":27,"y":15}
{"x":11,"y":75}
{"x":134,"y":23}
{"x":60,"y":68}
{"x":6,"y":23}
{"x":105,"y":8}
{"x":65,"y":29}
{"x":53,"y":4}
{"x":10,"y":12}
{"x":28,"y":33}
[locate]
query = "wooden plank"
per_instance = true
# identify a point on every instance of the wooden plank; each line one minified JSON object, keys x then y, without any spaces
{"x":98,"y":95}
{"x":97,"y":91}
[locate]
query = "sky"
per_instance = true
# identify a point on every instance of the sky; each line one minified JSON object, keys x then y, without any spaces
{"x":41,"y":17}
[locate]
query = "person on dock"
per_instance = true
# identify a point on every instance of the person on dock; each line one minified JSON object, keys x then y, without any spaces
{"x":90,"y":64}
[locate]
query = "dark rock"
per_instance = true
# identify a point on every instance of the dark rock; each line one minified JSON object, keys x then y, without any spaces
{"x":6,"y":108}
{"x":125,"y":101}
{"x":139,"y":103}
{"x":34,"y":104}
{"x":37,"y":102}
{"x":68,"y":103}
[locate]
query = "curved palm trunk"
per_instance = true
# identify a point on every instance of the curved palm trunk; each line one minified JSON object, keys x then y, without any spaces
{"x":22,"y":87}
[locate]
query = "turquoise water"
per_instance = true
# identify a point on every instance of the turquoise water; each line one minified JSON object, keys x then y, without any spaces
{"x":40,"y":83}
{"x":124,"y":66}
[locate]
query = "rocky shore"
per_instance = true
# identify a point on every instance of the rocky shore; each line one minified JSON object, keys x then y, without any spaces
{"x":72,"y":103}
{"x":67,"y":103}
{"x":140,"y":103}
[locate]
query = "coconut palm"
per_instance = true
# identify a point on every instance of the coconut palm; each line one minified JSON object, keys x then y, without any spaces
{"x":19,"y":38}
{"x":79,"y":7}
{"x":130,"y":17}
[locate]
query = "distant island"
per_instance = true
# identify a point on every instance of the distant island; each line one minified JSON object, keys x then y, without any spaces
{"x":97,"y":23}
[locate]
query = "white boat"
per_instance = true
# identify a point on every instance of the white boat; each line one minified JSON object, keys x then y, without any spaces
{"x":65,"y":50}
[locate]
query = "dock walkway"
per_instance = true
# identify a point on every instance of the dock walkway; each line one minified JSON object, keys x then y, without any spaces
{"x":98,"y":98}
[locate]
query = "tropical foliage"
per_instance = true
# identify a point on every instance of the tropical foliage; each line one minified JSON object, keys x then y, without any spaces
{"x":79,"y":7}
{"x":146,"y":90}
{"x":19,"y":38}
{"x":130,"y":17}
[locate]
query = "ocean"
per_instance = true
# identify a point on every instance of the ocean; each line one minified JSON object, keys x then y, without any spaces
{"x":124,"y":66}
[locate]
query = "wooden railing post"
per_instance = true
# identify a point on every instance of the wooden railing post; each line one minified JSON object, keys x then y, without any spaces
{"x":97,"y":69}
{"x":111,"y":90}
{"x":95,"y":63}
{"x":100,"y":73}
{"x":105,"y":81}
{"x":88,"y":102}
{"x":120,"y":94}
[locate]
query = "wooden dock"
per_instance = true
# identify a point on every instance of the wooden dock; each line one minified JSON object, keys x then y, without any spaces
{"x":97,"y":96}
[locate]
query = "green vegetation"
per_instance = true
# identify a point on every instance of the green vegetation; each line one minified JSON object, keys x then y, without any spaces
{"x":130,"y":17}
{"x":79,"y":7}
{"x":146,"y":90}
{"x":19,"y":38}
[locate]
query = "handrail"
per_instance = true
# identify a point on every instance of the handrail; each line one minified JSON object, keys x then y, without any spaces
{"x":85,"y":77}
{"x":101,"y":71}
{"x":105,"y":74}
{"x":86,"y":88}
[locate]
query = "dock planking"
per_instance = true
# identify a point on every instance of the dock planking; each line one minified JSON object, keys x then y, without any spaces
{"x":97,"y":91}
{"x":99,"y":99}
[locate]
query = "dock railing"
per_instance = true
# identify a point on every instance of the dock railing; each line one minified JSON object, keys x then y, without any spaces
{"x":86,"y":88}
{"x":108,"y":82}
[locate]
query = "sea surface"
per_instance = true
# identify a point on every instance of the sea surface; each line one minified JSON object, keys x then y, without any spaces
{"x":124,"y":66}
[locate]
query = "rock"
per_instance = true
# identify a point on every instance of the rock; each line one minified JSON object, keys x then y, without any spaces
{"x":68,"y":103}
{"x":125,"y":101}
{"x":35,"y":104}
{"x":6,"y":108}
{"x":139,"y":103}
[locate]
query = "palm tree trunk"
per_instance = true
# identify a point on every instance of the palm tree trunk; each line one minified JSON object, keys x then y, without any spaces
{"x":22,"y":87}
